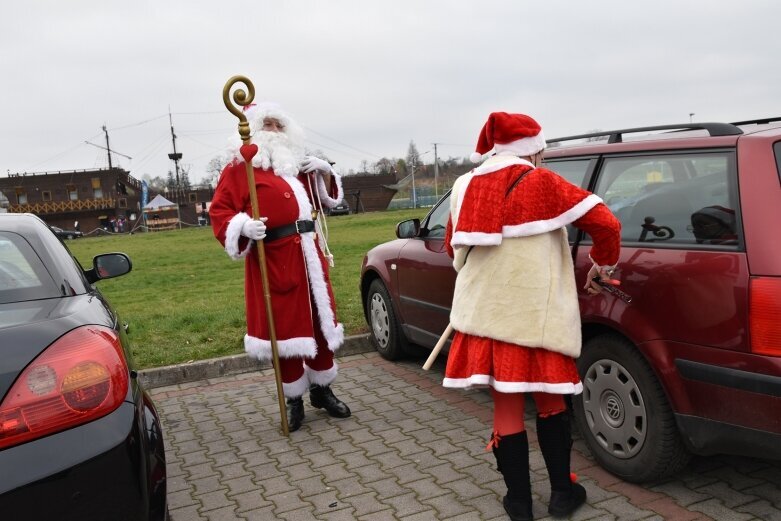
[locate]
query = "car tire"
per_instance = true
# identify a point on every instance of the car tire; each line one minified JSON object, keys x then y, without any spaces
{"x":623,"y":413}
{"x":385,"y":330}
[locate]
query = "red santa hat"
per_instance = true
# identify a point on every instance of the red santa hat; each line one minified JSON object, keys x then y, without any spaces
{"x":517,"y":134}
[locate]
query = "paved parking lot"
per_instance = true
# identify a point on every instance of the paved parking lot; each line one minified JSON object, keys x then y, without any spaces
{"x":411,"y":451}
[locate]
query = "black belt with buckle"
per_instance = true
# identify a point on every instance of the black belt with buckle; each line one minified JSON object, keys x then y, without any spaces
{"x":272,"y":234}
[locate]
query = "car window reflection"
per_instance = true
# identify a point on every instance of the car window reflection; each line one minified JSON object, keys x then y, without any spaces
{"x":436,"y":224}
{"x":679,"y":199}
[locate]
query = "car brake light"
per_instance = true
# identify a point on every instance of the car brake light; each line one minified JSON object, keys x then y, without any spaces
{"x":765,"y":315}
{"x":79,"y":378}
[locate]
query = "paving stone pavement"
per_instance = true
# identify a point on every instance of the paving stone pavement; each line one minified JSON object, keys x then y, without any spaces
{"x":411,"y":451}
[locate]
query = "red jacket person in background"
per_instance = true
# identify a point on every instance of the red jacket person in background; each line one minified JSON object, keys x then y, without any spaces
{"x":515,"y":306}
{"x":292,"y":189}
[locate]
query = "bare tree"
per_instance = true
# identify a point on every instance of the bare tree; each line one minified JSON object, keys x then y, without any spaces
{"x":213,"y":169}
{"x":170,"y":182}
{"x":185,"y":178}
{"x":413,"y":156}
{"x":384,"y":166}
{"x":156,"y":183}
{"x":401,"y":168}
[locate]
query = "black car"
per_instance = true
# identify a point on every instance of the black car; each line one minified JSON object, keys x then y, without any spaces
{"x":66,"y":234}
{"x":79,"y":437}
{"x":340,"y":209}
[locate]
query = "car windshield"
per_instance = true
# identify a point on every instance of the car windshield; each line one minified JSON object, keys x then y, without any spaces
{"x":22,"y":274}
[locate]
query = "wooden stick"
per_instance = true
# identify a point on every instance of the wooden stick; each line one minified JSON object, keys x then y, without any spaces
{"x":437,"y":348}
{"x":241,"y":98}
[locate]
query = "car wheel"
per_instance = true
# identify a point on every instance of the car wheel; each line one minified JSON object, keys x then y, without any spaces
{"x":623,"y":413}
{"x":385,"y":329}
{"x":69,"y":237}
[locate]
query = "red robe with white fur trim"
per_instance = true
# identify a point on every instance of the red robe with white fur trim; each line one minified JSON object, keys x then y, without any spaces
{"x":515,"y":305}
{"x":296,"y":266}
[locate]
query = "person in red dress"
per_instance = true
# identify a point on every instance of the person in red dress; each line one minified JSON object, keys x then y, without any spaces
{"x":515,"y":306}
{"x":292,"y":191}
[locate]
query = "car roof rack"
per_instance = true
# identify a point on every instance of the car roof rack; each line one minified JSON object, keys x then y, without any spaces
{"x":616,"y":136}
{"x":762,"y":121}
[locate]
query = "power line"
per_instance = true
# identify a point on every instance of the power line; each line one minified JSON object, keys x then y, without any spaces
{"x":62,"y":153}
{"x":454,"y":145}
{"x":205,"y":132}
{"x":185,"y":136}
{"x":138,"y":124}
{"x":144,"y":122}
{"x":205,"y":112}
{"x":343,"y":144}
{"x":161,"y":142}
{"x":333,"y":149}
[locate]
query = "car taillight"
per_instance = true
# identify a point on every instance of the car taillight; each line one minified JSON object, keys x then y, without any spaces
{"x":765,"y":315}
{"x":79,"y":378}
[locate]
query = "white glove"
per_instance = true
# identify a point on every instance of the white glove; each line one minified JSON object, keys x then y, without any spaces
{"x":312,"y":164}
{"x":255,"y":230}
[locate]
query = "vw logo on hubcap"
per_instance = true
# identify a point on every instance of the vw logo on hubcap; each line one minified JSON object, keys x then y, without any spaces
{"x":612,"y":409}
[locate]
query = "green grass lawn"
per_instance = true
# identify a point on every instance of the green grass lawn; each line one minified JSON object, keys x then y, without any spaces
{"x":184,"y":299}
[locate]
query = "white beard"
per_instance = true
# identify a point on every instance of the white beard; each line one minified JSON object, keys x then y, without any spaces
{"x":277,"y":151}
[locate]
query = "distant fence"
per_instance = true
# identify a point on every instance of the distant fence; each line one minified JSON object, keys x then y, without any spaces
{"x":423,"y":201}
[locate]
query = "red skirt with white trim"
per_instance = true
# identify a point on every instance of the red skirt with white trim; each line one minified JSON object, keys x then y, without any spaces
{"x":475,"y":361}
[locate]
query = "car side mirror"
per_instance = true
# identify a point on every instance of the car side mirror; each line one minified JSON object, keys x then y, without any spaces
{"x":107,"y":266}
{"x":408,"y":229}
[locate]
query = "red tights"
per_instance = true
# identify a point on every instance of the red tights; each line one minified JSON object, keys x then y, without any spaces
{"x":509,"y":410}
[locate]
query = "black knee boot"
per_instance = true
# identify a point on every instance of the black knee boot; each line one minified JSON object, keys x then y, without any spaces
{"x":512,"y":458}
{"x":295,"y":413}
{"x":555,"y":440}
{"x":322,"y":397}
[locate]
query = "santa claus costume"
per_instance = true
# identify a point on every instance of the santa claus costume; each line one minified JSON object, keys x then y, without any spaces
{"x":290,"y":201}
{"x":515,"y":307}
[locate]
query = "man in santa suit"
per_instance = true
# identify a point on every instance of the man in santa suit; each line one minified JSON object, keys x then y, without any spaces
{"x":292,"y":191}
{"x":515,"y":306}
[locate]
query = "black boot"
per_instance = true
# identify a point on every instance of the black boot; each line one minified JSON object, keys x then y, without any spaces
{"x":322,"y":397}
{"x":555,"y":440}
{"x":295,"y":413}
{"x":512,"y":458}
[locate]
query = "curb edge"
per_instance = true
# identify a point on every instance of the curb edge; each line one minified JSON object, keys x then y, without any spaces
{"x":230,"y":365}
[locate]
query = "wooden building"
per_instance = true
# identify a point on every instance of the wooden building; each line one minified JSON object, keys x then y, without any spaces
{"x":106,"y":199}
{"x":368,"y":192}
{"x":91,"y":198}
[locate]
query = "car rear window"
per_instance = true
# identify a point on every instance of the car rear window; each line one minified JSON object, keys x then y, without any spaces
{"x":22,"y":274}
{"x":675,"y":199}
{"x":573,"y":171}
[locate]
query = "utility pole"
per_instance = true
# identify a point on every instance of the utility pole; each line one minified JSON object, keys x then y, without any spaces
{"x":414,"y":196}
{"x":108,"y":148}
{"x":436,"y":172}
{"x":175,"y":156}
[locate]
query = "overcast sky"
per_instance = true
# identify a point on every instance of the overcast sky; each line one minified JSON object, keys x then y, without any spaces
{"x":366,"y":77}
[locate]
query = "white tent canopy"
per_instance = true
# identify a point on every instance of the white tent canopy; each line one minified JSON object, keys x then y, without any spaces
{"x":157,"y":206}
{"x":160,"y":203}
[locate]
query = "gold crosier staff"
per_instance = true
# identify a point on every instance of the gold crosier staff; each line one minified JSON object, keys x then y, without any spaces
{"x":248,"y":151}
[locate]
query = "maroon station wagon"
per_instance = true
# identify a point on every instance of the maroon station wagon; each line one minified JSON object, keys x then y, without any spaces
{"x":693,"y":363}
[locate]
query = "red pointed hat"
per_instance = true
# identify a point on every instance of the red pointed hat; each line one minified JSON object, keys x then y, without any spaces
{"x":518,"y":134}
